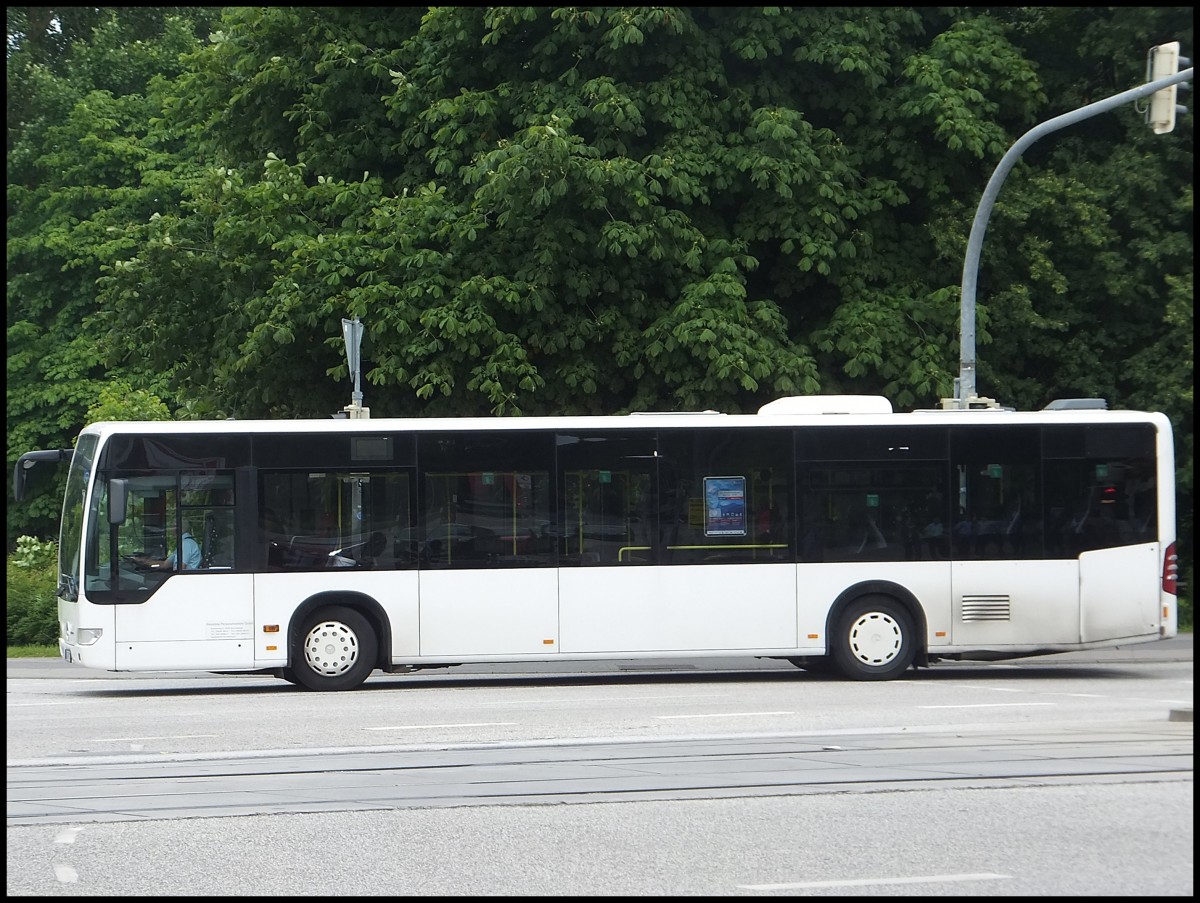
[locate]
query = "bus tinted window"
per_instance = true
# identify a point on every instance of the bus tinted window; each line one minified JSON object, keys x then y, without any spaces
{"x":183,"y":521}
{"x":608,"y":483}
{"x":726,"y":495}
{"x":863,"y":511}
{"x":873,"y":443}
{"x":997,"y":500}
{"x":1101,"y":488}
{"x":485,"y":500}
{"x":186,"y":452}
{"x":333,"y":452}
{"x":316,"y":519}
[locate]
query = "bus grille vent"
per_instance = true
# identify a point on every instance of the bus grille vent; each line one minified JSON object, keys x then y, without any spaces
{"x":986,"y":608}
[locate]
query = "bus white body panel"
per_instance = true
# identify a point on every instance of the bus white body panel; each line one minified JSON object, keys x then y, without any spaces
{"x":820,"y":587}
{"x":1000,"y":604}
{"x":459,"y":612}
{"x":683,"y":608}
{"x":1130,"y":574}
{"x":96,"y":652}
{"x":278,"y":596}
{"x":199,"y":621}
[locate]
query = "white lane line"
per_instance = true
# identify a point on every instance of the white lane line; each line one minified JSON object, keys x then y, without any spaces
{"x":424,"y":727}
{"x":987,"y":705}
{"x":722,"y":715}
{"x":65,"y":874}
{"x":1187,"y":701}
{"x":989,"y":689}
{"x":19,"y":705}
{"x":67,"y":835}
{"x":593,"y":700}
{"x":866,"y":882}
{"x":1068,"y":695}
{"x":132,"y":739}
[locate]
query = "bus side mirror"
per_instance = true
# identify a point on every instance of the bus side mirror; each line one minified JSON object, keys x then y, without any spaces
{"x":28,"y":460}
{"x":118,"y":500}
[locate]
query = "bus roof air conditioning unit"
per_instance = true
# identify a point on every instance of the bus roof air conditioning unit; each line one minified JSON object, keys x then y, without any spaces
{"x":828,"y":404}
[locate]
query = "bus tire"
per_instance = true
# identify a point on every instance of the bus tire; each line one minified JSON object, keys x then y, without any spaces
{"x":335,"y":650}
{"x":875,"y":639}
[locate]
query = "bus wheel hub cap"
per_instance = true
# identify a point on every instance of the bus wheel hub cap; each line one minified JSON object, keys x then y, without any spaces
{"x":875,"y":639}
{"x":331,"y":649}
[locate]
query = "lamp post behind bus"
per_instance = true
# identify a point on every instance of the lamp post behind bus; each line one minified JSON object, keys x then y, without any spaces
{"x":1163,"y":56}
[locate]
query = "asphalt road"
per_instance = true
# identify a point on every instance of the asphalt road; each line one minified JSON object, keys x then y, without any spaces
{"x":1060,"y":775}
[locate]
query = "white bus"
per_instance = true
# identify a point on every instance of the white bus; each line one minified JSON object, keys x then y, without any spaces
{"x":827,"y":531}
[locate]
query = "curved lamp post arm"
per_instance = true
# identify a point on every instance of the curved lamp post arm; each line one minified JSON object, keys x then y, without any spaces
{"x":964,"y":386}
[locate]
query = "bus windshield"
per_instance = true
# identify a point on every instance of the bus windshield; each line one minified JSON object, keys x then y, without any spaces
{"x":71,"y":532}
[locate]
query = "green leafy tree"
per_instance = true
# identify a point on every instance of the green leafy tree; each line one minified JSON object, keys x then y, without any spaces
{"x":77,"y":176}
{"x":588,"y":210}
{"x":31,"y":606}
{"x":119,"y":401}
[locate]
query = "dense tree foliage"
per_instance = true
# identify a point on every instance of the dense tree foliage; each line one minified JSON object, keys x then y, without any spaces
{"x":538,"y":210}
{"x":79,"y":171}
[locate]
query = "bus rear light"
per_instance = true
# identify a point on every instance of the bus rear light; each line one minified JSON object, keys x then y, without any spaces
{"x":1170,"y":573}
{"x":85,"y":636}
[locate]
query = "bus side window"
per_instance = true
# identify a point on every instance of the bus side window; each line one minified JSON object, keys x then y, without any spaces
{"x":725,"y":495}
{"x":207,"y":508}
{"x":216,"y":539}
{"x":606,"y":498}
{"x":995,"y":471}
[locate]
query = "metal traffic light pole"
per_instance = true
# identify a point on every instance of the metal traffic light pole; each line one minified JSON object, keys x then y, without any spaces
{"x":964,"y":386}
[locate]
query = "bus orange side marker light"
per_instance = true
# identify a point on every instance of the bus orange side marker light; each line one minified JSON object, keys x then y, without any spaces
{"x":272,"y":648}
{"x":270,"y":628}
{"x":547,"y":642}
{"x":939,"y":633}
{"x":814,"y":636}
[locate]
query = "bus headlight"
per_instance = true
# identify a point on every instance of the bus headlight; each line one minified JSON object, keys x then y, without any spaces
{"x":85,"y":636}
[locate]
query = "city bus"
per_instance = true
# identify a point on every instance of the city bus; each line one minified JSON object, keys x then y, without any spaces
{"x":829,"y":532}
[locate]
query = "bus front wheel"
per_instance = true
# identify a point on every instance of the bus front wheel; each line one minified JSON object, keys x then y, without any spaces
{"x":335,"y":650}
{"x":875,"y":639}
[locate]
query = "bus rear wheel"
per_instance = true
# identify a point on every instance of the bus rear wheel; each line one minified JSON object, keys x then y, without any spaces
{"x":335,"y":650}
{"x":875,"y":639}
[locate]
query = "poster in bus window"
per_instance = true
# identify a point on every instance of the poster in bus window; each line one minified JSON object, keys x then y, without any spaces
{"x":724,"y":506}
